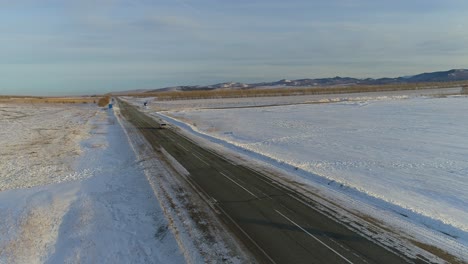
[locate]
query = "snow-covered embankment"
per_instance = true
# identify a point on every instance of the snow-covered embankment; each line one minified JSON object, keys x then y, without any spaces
{"x":71,"y":190}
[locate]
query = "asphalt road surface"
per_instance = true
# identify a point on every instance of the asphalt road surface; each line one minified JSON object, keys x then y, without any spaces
{"x":275,"y":223}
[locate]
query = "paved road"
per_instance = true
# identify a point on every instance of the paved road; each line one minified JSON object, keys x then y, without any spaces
{"x":275,"y":223}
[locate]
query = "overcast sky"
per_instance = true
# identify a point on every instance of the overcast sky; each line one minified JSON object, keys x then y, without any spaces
{"x":52,"y":47}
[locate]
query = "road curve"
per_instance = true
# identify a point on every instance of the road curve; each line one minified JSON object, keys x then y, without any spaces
{"x":274,"y":222}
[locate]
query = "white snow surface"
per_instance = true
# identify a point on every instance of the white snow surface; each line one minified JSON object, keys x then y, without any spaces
{"x":71,"y":190}
{"x":405,"y":155}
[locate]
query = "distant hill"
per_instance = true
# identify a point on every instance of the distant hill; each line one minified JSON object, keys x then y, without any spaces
{"x":441,"y":76}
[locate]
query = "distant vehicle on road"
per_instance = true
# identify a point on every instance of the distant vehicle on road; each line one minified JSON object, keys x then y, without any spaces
{"x":162,"y":125}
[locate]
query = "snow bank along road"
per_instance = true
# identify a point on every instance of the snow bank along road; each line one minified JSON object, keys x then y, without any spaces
{"x":278,"y":224}
{"x":72,"y":190}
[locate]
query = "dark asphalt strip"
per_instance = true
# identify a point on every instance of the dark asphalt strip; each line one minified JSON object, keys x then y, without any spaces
{"x":273,"y":221}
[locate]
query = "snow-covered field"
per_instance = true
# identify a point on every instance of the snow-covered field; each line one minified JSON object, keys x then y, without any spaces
{"x":71,"y":190}
{"x":404,"y":154}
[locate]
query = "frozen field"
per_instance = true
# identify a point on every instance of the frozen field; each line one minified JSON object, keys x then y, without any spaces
{"x":39,"y":145}
{"x":406,"y":153}
{"x":71,"y":190}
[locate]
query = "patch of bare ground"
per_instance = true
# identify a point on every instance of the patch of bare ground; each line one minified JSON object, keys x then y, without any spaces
{"x":464,"y":89}
{"x":438,"y":252}
{"x":429,"y":248}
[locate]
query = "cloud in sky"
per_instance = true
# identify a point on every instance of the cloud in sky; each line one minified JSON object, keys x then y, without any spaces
{"x":53,"y":47}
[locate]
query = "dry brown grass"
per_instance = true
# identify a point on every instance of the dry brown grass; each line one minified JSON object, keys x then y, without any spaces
{"x":438,"y":252}
{"x":464,"y":89}
{"x":48,"y":100}
{"x":104,"y":101}
{"x":290,"y":91}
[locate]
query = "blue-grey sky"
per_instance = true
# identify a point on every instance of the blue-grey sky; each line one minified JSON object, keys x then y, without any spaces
{"x":54,"y":47}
